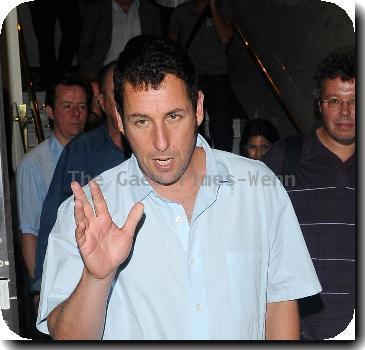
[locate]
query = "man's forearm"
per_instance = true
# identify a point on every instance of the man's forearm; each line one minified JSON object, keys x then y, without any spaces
{"x":82,"y":315}
{"x":282,"y":321}
{"x":28,"y":243}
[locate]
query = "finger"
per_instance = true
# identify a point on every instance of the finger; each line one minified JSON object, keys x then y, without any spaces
{"x":133,"y":219}
{"x":79,"y":212}
{"x":80,"y":194}
{"x":80,"y":234}
{"x":80,"y":220}
{"x":98,"y":198}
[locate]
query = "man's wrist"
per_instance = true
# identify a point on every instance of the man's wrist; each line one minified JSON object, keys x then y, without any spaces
{"x":100,"y":280}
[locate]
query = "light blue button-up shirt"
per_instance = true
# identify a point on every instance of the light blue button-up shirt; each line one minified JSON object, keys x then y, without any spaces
{"x":33,"y":177}
{"x":210,"y":279}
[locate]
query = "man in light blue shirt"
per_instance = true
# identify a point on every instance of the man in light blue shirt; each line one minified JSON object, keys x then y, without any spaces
{"x":67,"y":104}
{"x":182,"y":242}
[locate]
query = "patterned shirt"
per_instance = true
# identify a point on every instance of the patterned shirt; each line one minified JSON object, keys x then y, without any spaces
{"x":322,"y":190}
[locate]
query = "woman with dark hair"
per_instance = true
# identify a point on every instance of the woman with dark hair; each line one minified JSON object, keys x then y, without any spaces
{"x":257,"y":137}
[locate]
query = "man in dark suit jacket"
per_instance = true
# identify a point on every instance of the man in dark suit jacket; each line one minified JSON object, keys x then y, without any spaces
{"x":109,"y":24}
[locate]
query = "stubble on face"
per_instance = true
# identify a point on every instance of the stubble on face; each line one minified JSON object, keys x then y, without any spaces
{"x":162,"y":166}
{"x":339,"y":124}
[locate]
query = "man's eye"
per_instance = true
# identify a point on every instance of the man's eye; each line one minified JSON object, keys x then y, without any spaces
{"x":174,"y":116}
{"x":141,"y":122}
{"x":333,"y":101}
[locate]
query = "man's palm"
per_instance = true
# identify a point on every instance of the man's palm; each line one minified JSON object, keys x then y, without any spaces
{"x":103,"y":246}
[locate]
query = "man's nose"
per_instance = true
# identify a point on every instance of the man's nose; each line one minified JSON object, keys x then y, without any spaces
{"x":161,"y":138}
{"x":345,"y":108}
{"x":75,"y":111}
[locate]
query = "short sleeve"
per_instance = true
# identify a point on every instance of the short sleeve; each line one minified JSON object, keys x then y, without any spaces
{"x":29,"y":196}
{"x":62,"y":267}
{"x":291,"y":273}
{"x":55,"y":196}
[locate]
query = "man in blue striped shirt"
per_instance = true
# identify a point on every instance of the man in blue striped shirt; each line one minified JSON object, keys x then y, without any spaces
{"x":322,"y":190}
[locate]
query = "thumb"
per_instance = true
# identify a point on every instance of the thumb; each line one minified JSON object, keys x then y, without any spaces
{"x":133,"y":219}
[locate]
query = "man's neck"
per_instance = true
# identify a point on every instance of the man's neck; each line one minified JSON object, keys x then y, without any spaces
{"x":342,"y":151}
{"x":114,"y":134}
{"x":60,"y":138}
{"x":185,"y":190}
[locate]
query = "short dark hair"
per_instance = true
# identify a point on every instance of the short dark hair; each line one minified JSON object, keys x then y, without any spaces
{"x":104,"y":72}
{"x":69,"y":79}
{"x":146,"y":60}
{"x":340,"y":63}
{"x":258,"y":127}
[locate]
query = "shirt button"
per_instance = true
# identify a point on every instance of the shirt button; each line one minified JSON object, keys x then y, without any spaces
{"x":192,"y":261}
{"x":179,"y":220}
{"x":198,"y":306}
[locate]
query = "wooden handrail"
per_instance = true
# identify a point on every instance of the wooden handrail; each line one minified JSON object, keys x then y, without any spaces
{"x":267,"y":77}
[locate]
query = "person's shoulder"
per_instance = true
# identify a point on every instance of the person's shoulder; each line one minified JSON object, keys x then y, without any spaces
{"x":35,"y":155}
{"x":89,"y":139}
{"x":279,"y":146}
{"x":238,"y":164}
{"x":110,"y":178}
{"x":274,"y":157}
{"x":42,"y":147}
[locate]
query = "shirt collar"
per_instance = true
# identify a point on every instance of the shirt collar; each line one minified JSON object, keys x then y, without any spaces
{"x":214,"y":168}
{"x":216,"y":175}
{"x":55,"y":145}
{"x":315,"y":148}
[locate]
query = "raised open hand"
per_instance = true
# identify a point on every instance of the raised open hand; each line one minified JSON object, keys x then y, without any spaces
{"x":103,"y":245}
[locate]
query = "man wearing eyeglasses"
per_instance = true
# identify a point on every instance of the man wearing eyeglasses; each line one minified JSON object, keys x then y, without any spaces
{"x":322,"y":191}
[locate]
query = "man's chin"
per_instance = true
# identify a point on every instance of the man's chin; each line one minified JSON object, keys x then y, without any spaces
{"x":165,"y":181}
{"x":346,"y":141}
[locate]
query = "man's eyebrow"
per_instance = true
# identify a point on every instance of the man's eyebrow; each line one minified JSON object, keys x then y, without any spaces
{"x":141,"y":115}
{"x":137,"y":115}
{"x":176,"y":110}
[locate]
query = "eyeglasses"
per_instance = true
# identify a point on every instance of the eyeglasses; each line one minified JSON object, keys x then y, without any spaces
{"x":335,"y":103}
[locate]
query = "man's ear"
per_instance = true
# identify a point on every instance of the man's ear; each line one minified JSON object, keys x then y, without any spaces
{"x":319,"y":107}
{"x":119,"y":121}
{"x":200,"y":108}
{"x":49,"y":112}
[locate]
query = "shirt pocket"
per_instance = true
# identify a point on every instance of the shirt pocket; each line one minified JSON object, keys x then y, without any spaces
{"x":244,"y":271}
